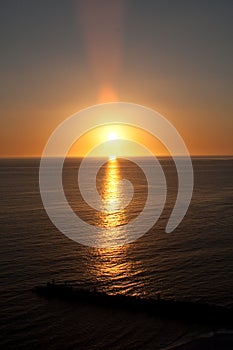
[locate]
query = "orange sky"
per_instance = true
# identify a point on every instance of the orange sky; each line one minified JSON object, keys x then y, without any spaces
{"x":176,"y":60}
{"x":116,"y":133}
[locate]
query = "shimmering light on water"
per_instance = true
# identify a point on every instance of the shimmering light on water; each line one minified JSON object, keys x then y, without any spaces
{"x":187,"y":264}
{"x":112,"y":213}
{"x":111,"y":193}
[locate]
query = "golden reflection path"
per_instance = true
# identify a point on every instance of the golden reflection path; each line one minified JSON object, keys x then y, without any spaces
{"x":112,"y":195}
{"x":113,"y":264}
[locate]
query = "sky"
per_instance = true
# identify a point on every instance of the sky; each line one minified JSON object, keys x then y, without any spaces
{"x":59,"y":56}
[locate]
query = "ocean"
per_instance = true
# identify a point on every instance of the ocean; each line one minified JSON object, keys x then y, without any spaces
{"x":194,"y":262}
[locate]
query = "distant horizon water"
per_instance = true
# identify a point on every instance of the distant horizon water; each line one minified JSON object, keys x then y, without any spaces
{"x":158,"y":156}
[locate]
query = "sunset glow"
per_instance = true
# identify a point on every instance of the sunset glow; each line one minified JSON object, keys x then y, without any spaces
{"x":110,"y":58}
{"x":107,"y":94}
{"x":112,"y":158}
{"x":114,"y":135}
{"x":116,"y":174}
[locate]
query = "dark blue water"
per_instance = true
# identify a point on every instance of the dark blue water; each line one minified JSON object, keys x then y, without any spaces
{"x":195,"y":262}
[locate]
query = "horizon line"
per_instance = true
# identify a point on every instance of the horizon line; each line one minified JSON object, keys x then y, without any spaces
{"x":121,"y":157}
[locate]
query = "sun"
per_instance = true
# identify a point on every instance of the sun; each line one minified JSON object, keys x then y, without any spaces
{"x":112,"y":136}
{"x":112,"y":158}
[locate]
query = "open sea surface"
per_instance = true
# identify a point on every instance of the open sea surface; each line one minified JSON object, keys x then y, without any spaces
{"x":195,"y":262}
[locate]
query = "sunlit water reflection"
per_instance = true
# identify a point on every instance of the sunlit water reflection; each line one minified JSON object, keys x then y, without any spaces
{"x":187,"y":264}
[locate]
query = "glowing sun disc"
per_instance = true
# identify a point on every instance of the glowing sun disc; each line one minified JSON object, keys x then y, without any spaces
{"x":112,"y":136}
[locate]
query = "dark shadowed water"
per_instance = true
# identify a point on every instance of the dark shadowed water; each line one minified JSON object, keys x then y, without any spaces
{"x":195,"y":262}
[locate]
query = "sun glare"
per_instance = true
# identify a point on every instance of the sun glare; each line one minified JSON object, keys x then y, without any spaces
{"x":112,"y":158}
{"x":112,"y":136}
